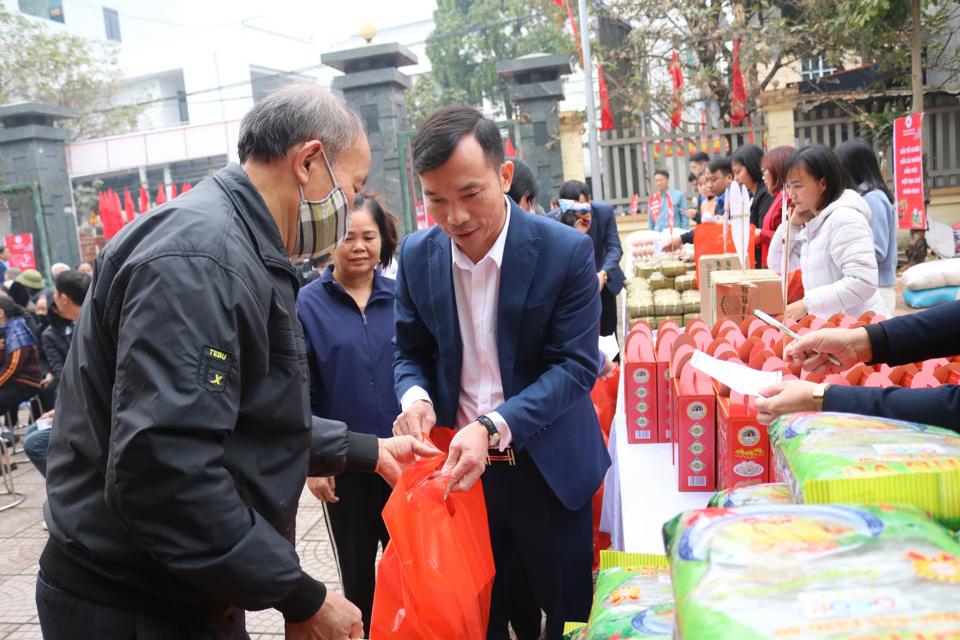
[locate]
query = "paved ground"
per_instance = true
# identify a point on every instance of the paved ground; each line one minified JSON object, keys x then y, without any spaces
{"x":22,"y":540}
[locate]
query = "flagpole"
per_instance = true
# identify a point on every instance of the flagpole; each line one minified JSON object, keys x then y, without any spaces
{"x":591,"y":108}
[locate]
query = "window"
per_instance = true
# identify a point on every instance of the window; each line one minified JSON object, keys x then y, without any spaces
{"x":111,"y":22}
{"x":49,"y":9}
{"x":182,"y":103}
{"x":813,"y":68}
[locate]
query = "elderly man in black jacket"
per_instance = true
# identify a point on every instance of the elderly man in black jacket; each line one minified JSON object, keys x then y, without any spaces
{"x":183,"y":436}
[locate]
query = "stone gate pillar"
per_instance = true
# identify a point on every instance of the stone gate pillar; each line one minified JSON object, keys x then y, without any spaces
{"x":36,"y":184}
{"x":373,"y":85}
{"x":536,"y":89}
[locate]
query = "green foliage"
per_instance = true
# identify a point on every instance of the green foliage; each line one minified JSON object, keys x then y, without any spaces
{"x":86,"y":196}
{"x":40,"y":65}
{"x":471,"y":36}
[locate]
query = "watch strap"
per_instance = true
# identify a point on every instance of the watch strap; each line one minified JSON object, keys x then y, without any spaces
{"x":488,"y":423}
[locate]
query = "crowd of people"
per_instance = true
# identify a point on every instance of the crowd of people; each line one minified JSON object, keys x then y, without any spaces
{"x":204,"y":380}
{"x":840,"y":213}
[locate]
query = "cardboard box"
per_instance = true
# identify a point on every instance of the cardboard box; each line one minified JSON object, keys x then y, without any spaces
{"x":641,"y":388}
{"x":707,"y":265}
{"x":735,"y":294}
{"x":664,"y":352}
{"x":743,"y":445}
{"x":695,"y":429}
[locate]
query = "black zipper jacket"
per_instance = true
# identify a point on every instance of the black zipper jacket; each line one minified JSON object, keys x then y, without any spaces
{"x":183,"y":436}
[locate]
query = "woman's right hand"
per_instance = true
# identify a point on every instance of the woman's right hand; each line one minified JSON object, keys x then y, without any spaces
{"x":323,"y":489}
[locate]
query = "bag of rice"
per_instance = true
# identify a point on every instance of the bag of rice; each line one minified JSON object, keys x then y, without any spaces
{"x":686,"y":282}
{"x":634,"y":598}
{"x":769,"y":493}
{"x":838,"y":457}
{"x":687,"y":317}
{"x":814,"y":572}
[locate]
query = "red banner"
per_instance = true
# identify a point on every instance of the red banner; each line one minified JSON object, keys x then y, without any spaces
{"x":634,"y":205}
{"x":21,"y":251}
{"x":424,"y":221}
{"x":908,"y":171}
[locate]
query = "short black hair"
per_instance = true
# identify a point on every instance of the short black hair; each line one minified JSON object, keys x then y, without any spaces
{"x":822,"y":164}
{"x":573,"y":189}
{"x":386,"y":223}
{"x":524,"y":183}
{"x":700,"y":156}
{"x":439,"y":136}
{"x":722,"y":165}
{"x":749,"y":156}
{"x":86,"y":262}
{"x":662,"y":172}
{"x":73,"y":284}
{"x":692,"y":177}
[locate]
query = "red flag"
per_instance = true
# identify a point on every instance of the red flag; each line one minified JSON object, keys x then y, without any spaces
{"x":676,"y":72}
{"x":737,"y":111}
{"x":510,"y":150}
{"x":144,"y":200}
{"x":128,"y":204}
{"x":161,"y":195}
{"x":186,"y":187}
{"x":173,"y":190}
{"x":653,"y":207}
{"x":108,"y":218}
{"x":634,"y":205}
{"x":606,"y":117}
{"x":117,"y":215}
{"x":573,"y":25}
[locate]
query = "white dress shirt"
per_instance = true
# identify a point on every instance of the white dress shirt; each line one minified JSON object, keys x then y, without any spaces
{"x":477,"y":290}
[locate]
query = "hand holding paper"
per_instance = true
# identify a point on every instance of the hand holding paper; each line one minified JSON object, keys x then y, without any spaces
{"x":738,"y":377}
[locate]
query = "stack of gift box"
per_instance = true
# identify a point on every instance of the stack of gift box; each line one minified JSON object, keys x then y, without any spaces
{"x":716,"y":439}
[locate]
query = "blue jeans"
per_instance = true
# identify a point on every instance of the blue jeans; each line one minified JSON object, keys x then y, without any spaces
{"x":35,"y":446}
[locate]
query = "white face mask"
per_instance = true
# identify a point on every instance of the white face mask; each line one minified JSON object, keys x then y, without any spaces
{"x":322,"y":224}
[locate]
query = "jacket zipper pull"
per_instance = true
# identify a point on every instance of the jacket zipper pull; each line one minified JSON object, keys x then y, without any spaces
{"x":364,"y":316}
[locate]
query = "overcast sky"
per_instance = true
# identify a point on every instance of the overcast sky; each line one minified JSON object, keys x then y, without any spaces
{"x":321,"y":20}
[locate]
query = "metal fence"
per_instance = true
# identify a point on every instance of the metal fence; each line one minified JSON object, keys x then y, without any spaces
{"x":630,"y":157}
{"x":829,"y":124}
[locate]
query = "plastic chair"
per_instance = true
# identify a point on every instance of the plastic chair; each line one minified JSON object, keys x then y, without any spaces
{"x":6,"y":473}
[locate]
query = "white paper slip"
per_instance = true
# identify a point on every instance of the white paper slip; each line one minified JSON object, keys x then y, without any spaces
{"x":738,"y":377}
{"x":609,"y":346}
{"x":44,"y":423}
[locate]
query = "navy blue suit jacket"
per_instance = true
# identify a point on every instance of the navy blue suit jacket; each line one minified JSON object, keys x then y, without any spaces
{"x":548,"y":324}
{"x":929,"y":334}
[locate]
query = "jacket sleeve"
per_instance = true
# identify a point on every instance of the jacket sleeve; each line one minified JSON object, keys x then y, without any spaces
{"x":938,"y":406}
{"x":775,"y":255}
{"x":683,"y":222}
{"x":851,"y":248}
{"x":414,"y":361}
{"x":166,"y":476}
{"x":931,"y":333}
{"x":52,"y":354}
{"x":570,"y":353}
{"x":611,"y":260}
{"x":880,"y":223}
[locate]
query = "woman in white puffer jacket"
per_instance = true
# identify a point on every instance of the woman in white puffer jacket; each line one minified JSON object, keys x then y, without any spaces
{"x":831,"y":240}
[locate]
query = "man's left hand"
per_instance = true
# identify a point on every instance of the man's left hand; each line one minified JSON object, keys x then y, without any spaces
{"x":603,"y":279}
{"x":398,"y":453}
{"x":468,"y":457}
{"x":787,"y":397}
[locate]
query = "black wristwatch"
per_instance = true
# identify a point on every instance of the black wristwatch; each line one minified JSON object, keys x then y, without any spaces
{"x":491,"y":429}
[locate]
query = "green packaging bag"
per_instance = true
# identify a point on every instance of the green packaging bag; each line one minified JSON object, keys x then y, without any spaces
{"x":814,"y":572}
{"x":634,"y":598}
{"x":837,"y":457}
{"x":574,"y":630}
{"x":769,"y":493}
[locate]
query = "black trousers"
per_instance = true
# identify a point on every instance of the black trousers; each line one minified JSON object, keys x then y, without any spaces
{"x":608,"y":312}
{"x":64,"y":616}
{"x":358,"y":531}
{"x":530,"y":528}
{"x":11,"y":395}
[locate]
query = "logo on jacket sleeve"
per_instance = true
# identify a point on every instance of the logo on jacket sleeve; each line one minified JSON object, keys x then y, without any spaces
{"x":214,"y":368}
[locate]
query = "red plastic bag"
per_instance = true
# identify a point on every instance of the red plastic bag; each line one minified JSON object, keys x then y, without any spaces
{"x":708,"y":241}
{"x":604,"y":396}
{"x":794,"y":286}
{"x":436,"y":574}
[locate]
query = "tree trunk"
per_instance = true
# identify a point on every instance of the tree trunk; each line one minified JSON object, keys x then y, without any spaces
{"x":916,"y":48}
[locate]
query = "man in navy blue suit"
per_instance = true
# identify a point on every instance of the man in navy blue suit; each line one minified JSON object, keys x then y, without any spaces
{"x":920,"y":336}
{"x":607,"y":250}
{"x":497,"y":320}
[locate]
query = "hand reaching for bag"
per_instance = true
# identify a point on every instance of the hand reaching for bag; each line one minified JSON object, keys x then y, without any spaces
{"x":399,"y":452}
{"x":323,"y":489}
{"x":416,"y":421}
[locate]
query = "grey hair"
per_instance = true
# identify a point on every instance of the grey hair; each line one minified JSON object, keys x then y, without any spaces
{"x":297,"y":113}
